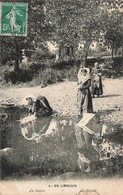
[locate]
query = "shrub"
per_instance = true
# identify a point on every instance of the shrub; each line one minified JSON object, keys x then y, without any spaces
{"x":47,"y":76}
{"x":50,"y":76}
{"x":20,"y":76}
{"x":64,"y":64}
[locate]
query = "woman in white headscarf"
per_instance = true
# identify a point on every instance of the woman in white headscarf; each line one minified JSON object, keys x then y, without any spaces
{"x":83,"y":95}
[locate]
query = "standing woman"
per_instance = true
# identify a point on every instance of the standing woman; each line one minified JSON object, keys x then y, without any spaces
{"x":96,"y":85}
{"x":84,"y":95}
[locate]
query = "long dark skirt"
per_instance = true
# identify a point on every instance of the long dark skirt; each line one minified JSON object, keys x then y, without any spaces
{"x":84,"y":100}
{"x":96,"y":90}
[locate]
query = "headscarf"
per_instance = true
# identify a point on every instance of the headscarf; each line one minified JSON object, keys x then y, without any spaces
{"x":82,"y":78}
{"x":25,"y":102}
{"x":96,"y":64}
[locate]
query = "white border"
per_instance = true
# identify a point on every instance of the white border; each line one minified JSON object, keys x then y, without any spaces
{"x":0,"y":15}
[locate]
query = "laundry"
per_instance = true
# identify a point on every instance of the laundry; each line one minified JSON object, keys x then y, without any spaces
{"x":91,"y":124}
{"x":83,"y":163}
{"x":27,"y":119}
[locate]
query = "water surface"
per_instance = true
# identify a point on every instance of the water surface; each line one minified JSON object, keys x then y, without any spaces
{"x":49,"y":147}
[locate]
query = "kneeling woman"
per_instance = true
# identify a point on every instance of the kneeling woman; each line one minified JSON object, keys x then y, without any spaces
{"x":38,"y":106}
{"x":84,"y":95}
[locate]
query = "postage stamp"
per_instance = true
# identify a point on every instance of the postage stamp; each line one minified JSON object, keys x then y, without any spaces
{"x":13,"y":19}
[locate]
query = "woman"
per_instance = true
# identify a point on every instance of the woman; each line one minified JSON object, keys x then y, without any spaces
{"x":83,"y":95}
{"x":38,"y":106}
{"x":12,"y":16}
{"x":96,"y":85}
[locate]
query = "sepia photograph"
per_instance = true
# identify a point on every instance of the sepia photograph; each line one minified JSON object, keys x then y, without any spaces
{"x":61,"y":97}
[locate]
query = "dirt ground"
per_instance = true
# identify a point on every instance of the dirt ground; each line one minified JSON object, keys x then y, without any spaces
{"x":62,"y":98}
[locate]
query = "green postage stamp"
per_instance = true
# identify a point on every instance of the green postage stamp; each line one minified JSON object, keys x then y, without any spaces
{"x":13,"y":19}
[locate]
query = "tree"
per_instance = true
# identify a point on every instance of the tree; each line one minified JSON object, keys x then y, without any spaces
{"x":68,"y":23}
{"x":113,"y":35}
{"x":76,"y":21}
{"x":73,"y":22}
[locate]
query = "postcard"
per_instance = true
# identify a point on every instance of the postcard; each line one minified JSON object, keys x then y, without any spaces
{"x":61,"y":105}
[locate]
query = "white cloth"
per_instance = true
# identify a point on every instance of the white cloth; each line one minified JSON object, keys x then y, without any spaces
{"x":82,"y":79}
{"x":83,"y":122}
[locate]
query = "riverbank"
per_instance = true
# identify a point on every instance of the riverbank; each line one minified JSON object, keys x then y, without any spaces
{"x":62,"y":98}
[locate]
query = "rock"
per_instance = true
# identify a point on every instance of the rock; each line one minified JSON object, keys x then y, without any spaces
{"x":43,"y":85}
{"x":6,"y":151}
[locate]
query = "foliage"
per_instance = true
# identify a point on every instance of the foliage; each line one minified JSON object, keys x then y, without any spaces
{"x":17,"y":77}
{"x":34,"y":75}
{"x":76,"y":21}
{"x":113,"y":35}
{"x":68,"y":23}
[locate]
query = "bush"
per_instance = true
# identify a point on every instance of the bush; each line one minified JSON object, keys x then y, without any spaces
{"x":64,"y":64}
{"x":42,"y":75}
{"x":113,"y":67}
{"x":27,"y":72}
{"x":46,"y":77}
{"x":15,"y":77}
{"x":50,"y":73}
{"x":50,"y":76}
{"x":117,"y":65}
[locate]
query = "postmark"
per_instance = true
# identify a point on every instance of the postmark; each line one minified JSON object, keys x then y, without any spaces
{"x":13,"y":19}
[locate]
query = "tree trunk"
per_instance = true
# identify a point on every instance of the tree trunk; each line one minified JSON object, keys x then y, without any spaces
{"x":122,"y":54}
{"x":85,"y":53}
{"x":112,"y":51}
{"x":16,"y":68}
{"x":122,"y":51}
{"x":73,"y":52}
{"x":21,"y":57}
{"x":61,"y":52}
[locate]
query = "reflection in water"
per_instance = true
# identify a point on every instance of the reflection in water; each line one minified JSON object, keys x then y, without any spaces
{"x":92,"y":143}
{"x":84,"y":163}
{"x":35,"y":129}
{"x":55,"y":145}
{"x":87,"y":153}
